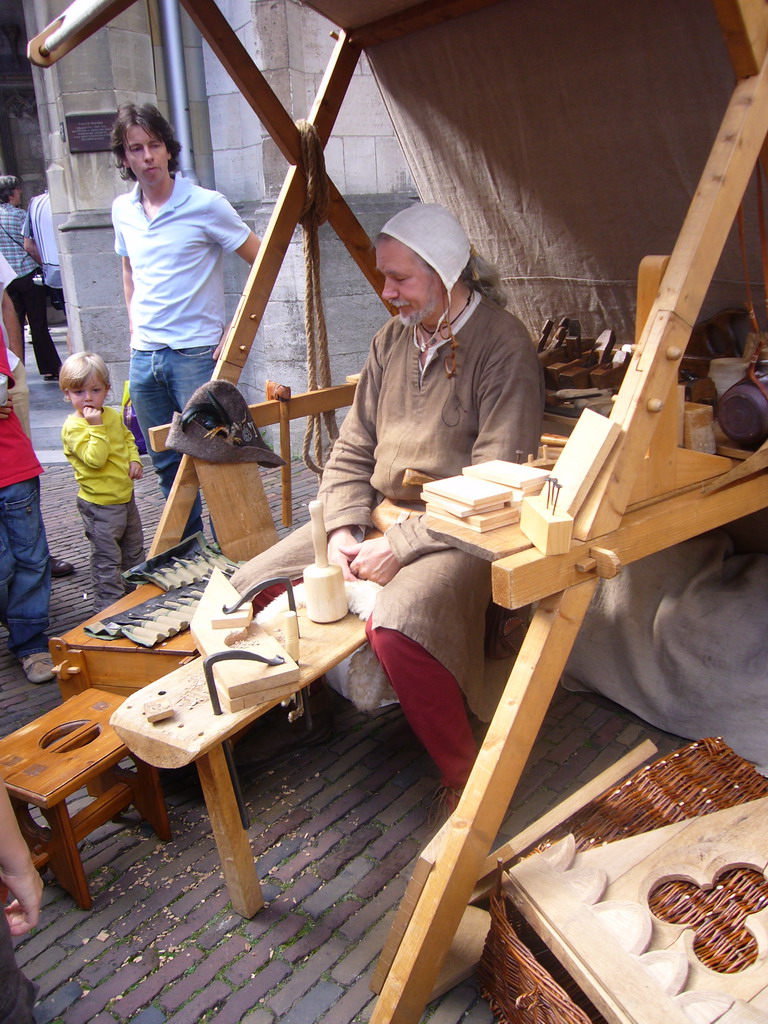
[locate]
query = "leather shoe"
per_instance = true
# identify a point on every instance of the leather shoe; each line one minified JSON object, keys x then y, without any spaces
{"x":38,"y":668}
{"x":61,"y":568}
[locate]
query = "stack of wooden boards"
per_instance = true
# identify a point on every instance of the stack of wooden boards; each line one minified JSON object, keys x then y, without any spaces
{"x":240,"y":684}
{"x":485,"y":496}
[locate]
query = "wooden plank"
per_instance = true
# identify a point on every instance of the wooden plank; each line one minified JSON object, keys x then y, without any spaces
{"x":482,"y":806}
{"x":238,"y":507}
{"x":470,"y":491}
{"x":744,"y":24}
{"x":479,"y":523}
{"x":264,"y":414}
{"x":528,"y":575}
{"x":619,"y":986}
{"x":464,"y":952}
{"x":178,"y":505}
{"x":521,"y":476}
{"x":755,"y":462}
{"x":698,"y":849}
{"x":240,"y":678}
{"x":653,"y":370}
{"x":649,"y":277}
{"x":582,"y":457}
{"x":495,"y":544}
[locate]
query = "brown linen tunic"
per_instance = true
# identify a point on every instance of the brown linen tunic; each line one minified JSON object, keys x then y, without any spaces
{"x":491,"y":409}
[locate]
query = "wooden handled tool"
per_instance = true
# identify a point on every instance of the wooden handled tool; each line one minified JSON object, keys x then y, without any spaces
{"x":415,"y":478}
{"x":323,"y":583}
{"x":291,"y":630}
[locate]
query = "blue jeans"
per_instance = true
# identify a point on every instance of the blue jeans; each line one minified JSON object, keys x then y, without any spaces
{"x":25,"y":568}
{"x":161,"y":383}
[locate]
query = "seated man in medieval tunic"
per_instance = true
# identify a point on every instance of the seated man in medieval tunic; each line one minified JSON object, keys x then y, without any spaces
{"x":452,"y":380}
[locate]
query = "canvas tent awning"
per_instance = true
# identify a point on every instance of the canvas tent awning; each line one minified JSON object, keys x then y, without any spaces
{"x":567,"y":139}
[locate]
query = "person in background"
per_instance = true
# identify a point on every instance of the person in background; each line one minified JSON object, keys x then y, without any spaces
{"x":29,"y":299}
{"x":171,"y":236}
{"x":39,"y":235}
{"x":18,"y":395}
{"x":23,"y":883}
{"x":102,"y":451}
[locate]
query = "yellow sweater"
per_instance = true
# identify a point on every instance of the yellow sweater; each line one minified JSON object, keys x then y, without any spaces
{"x":100,"y":456}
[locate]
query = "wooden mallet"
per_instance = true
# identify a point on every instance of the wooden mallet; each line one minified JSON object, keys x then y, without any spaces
{"x":323,"y":583}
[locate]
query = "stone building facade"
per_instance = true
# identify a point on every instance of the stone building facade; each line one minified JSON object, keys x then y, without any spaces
{"x":233,"y":153}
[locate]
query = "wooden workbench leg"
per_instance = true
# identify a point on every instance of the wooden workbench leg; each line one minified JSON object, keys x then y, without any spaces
{"x":483,"y":804}
{"x":231,"y":839}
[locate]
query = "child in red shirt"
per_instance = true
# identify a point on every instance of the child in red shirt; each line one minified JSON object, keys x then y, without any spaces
{"x":25,"y":564}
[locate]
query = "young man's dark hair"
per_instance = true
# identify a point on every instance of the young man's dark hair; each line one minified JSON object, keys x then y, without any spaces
{"x":152,"y":121}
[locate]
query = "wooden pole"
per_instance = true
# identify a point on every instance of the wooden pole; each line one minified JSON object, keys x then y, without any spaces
{"x":482,"y":806}
{"x":653,"y":370}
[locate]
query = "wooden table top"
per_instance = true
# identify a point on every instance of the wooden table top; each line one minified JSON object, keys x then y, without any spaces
{"x":194,"y":729}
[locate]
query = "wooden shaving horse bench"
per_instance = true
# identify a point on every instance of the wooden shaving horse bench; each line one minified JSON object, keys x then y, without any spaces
{"x":50,"y":759}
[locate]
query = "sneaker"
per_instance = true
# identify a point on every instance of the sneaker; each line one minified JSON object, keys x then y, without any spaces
{"x":38,"y":668}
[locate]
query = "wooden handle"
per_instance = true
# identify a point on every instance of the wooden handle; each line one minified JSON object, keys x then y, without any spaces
{"x":319,"y":540}
{"x":291,"y":629}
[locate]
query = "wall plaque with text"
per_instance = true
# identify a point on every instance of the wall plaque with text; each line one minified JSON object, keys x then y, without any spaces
{"x":89,"y":133}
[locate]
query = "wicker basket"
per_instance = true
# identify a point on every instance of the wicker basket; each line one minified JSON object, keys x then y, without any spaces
{"x":703,"y":777}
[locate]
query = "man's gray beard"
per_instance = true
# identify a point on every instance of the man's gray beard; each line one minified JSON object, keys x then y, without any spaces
{"x":415,"y":318}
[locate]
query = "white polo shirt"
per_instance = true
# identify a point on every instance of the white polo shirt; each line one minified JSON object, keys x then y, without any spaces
{"x":177,"y":264}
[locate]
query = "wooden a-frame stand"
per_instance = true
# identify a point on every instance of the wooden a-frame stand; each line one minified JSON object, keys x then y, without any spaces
{"x":616,"y":524}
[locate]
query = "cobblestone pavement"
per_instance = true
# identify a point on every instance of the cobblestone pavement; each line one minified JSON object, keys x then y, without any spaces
{"x":334,"y":829}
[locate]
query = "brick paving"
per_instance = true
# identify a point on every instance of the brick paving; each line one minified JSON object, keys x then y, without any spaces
{"x":334,"y":828}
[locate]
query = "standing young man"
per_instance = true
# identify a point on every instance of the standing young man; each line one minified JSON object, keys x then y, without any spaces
{"x":172,"y":236}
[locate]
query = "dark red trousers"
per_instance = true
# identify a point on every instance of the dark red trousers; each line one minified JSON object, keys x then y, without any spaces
{"x":431,"y":700}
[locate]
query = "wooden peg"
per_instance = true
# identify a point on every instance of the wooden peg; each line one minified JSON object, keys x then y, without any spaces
{"x":157,"y":710}
{"x":291,"y":629}
{"x":608,"y":563}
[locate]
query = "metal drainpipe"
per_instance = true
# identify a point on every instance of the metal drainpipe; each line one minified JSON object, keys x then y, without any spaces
{"x":176,"y":83}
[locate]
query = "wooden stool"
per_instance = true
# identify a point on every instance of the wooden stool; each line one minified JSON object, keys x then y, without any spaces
{"x":51,"y":758}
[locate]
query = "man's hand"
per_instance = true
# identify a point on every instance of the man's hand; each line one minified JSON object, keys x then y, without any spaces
{"x":220,"y":346}
{"x":92,"y":415}
{"x":6,"y":410}
{"x":337,"y":540}
{"x":135,"y":470}
{"x":372,"y":560}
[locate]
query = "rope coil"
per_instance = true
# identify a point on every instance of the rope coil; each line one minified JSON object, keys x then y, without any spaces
{"x":313,"y":215}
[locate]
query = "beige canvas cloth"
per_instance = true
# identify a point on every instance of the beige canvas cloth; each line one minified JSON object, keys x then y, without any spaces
{"x":568,"y":139}
{"x":680,"y":639}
